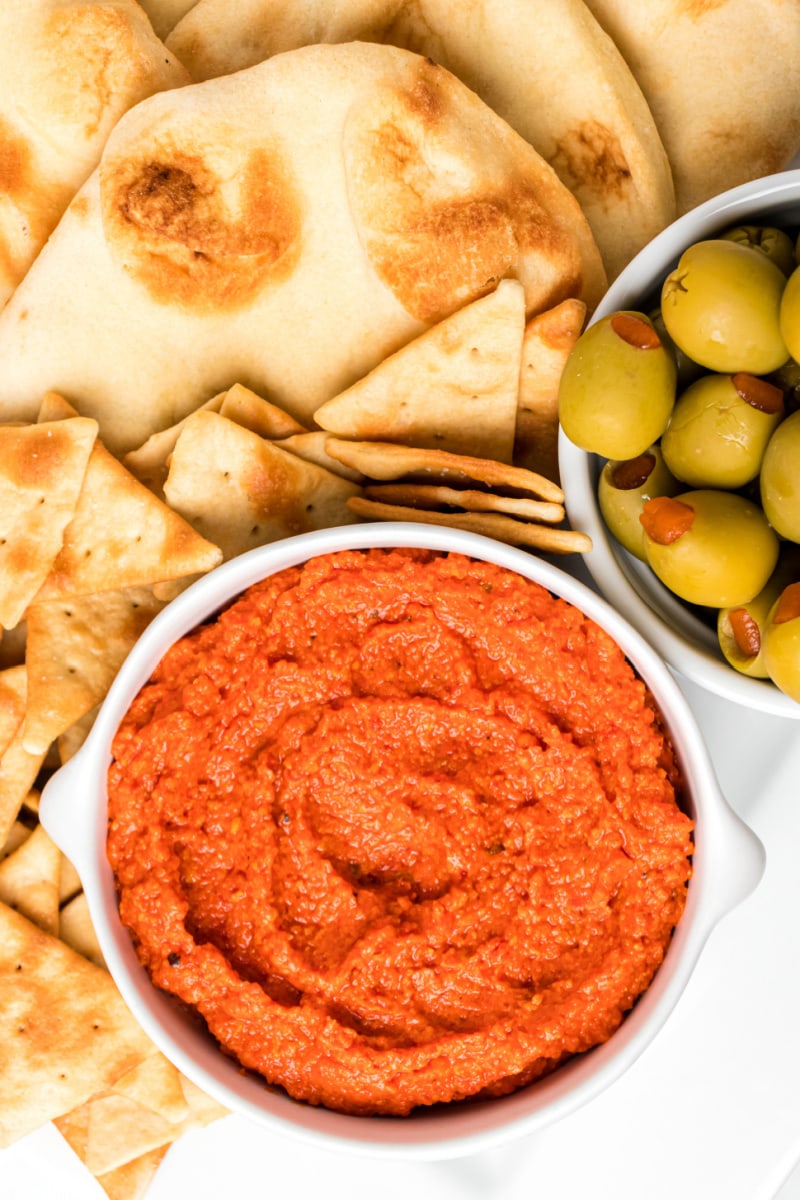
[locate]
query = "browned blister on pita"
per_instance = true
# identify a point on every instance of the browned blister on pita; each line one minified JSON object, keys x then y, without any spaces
{"x":243,"y":491}
{"x":42,"y":468}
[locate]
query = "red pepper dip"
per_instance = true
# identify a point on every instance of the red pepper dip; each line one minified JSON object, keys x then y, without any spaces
{"x":402,"y":827}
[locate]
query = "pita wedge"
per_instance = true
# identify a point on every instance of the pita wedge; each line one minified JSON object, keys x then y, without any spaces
{"x":69,"y":72}
{"x":243,"y":491}
{"x":547,"y":68}
{"x":42,"y":468}
{"x":453,"y":388}
{"x":241,"y":230}
{"x":722,"y":82}
{"x":122,"y":536}
{"x":549,"y":338}
{"x":65,"y":1032}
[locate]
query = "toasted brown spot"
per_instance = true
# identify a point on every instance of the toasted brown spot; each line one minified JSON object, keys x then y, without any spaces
{"x":591,"y":154}
{"x":187,"y":234}
{"x":696,"y":9}
{"x":15,"y":162}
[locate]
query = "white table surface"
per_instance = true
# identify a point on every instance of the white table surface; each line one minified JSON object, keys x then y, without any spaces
{"x":711,"y":1109}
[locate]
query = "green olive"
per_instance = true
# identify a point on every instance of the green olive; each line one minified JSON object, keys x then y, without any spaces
{"x":617,"y":387}
{"x":721,"y":305}
{"x":709,"y":547}
{"x":719,"y":430}
{"x":780,"y":479}
{"x":775,"y":243}
{"x":782,"y":641}
{"x":789,"y":315}
{"x":624,"y":487}
{"x":740,"y":628}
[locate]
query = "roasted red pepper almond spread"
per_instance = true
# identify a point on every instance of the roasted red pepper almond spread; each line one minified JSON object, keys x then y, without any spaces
{"x":402,"y":827}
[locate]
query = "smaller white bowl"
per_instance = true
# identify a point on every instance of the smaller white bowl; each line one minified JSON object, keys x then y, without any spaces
{"x":684,"y":640}
{"x":727,"y":864}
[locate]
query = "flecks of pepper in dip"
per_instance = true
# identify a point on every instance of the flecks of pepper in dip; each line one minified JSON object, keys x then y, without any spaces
{"x":402,"y":827}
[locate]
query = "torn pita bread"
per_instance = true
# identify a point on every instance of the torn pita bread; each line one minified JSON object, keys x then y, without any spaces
{"x":495,"y":525}
{"x":122,"y":536}
{"x":243,"y":491}
{"x":75,"y":648}
{"x":722,"y":83}
{"x":42,"y":468}
{"x":548,"y":69}
{"x":65,"y":1032}
{"x":247,"y":233}
{"x":69,"y":73}
{"x":453,"y":388}
{"x":549,"y":338}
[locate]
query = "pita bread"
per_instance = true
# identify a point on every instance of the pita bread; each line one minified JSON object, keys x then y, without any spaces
{"x":248,"y":233}
{"x":722,"y":82}
{"x":165,"y":14}
{"x":547,"y":68}
{"x":42,"y":468}
{"x":65,"y":1032}
{"x":453,"y":388}
{"x":69,"y":73}
{"x":549,"y":338}
{"x":243,"y":491}
{"x":121,"y":536}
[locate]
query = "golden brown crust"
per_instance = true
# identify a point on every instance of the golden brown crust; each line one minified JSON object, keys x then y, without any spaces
{"x":194,"y":230}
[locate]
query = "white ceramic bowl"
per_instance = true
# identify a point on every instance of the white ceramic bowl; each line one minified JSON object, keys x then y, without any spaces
{"x":727,"y":866}
{"x":687,"y":644}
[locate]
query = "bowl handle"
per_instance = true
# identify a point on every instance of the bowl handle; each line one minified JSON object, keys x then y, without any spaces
{"x":66,"y":812}
{"x":739,"y":858}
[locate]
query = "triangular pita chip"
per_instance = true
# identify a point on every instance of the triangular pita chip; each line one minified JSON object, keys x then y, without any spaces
{"x":65,"y":1032}
{"x":132,"y":1180}
{"x":260,"y":416}
{"x":241,"y":491}
{"x":75,"y":648}
{"x":55,"y":407}
{"x":29,"y":880}
{"x":156,"y":1084}
{"x":122,"y":536}
{"x":18,"y":768}
{"x":382,"y":460}
{"x":12,"y":704}
{"x":548,"y":339}
{"x":18,"y":833}
{"x":453,"y":388}
{"x":42,"y":468}
{"x":433,"y":496}
{"x":490,"y":524}
{"x":12,"y":646}
{"x":311,"y":447}
{"x":150,"y":461}
{"x":75,"y":929}
{"x":69,"y":883}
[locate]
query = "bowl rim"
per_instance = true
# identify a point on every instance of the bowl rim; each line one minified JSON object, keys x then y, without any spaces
{"x":729,"y":861}
{"x":687,"y":644}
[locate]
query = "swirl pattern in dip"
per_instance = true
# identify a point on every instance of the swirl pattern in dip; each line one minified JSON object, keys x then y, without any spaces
{"x":402,"y":827}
